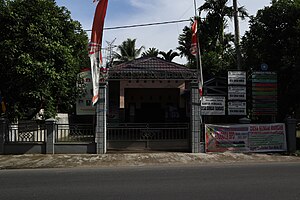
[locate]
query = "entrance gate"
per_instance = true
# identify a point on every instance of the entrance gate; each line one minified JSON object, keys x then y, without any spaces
{"x":148,"y":136}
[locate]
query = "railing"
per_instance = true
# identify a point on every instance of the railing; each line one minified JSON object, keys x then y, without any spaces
{"x":26,"y":132}
{"x":72,"y":133}
{"x":75,"y":133}
{"x":147,"y":132}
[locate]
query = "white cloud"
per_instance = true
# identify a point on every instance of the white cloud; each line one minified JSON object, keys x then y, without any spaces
{"x":162,"y":37}
{"x":145,"y":5}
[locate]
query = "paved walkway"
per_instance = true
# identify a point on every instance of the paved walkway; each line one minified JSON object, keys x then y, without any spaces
{"x":134,"y":159}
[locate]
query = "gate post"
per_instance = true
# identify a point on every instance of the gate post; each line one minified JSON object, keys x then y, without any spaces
{"x":100,"y":136}
{"x":50,"y":135}
{"x":198,"y":144}
{"x":3,"y":132}
{"x":291,"y":134}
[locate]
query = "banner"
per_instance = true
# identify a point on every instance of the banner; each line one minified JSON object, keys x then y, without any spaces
{"x":245,"y":138}
{"x":95,"y":48}
{"x":84,"y":102}
{"x":194,"y":48}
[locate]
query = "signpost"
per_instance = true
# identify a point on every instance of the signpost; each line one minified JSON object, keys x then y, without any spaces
{"x":237,"y":78}
{"x":213,"y":105}
{"x":237,"y":93}
{"x":264,"y":93}
{"x":237,"y":108}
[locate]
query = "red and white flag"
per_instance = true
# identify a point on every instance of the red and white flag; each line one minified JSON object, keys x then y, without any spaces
{"x":194,"y":47}
{"x":95,"y":47}
{"x":194,"y":51}
{"x":200,"y":88}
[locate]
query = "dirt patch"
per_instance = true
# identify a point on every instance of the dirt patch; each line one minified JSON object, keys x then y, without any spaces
{"x":134,"y":159}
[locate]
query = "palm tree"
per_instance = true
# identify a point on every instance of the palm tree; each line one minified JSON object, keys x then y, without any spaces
{"x":217,"y":10}
{"x":216,"y":46}
{"x":170,"y":55}
{"x":127,"y":51}
{"x":151,"y":52}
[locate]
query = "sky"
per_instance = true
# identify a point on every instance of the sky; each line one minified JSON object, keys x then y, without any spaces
{"x":130,"y":12}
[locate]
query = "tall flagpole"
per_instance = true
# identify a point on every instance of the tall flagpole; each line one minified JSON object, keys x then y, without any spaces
{"x":195,"y":6}
{"x":199,"y":63}
{"x":200,"y":84}
{"x":198,"y":57}
{"x":99,"y":72}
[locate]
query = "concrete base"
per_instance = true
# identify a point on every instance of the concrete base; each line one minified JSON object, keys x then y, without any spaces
{"x":179,"y":145}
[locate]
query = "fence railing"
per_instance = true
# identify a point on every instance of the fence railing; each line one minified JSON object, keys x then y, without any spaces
{"x":33,"y":132}
{"x":147,"y":132}
{"x":75,"y":133}
{"x":26,"y":132}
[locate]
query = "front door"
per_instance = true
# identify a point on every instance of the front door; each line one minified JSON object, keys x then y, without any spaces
{"x":150,"y":113}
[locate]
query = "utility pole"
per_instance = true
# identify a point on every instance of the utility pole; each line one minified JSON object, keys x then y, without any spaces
{"x":237,"y":34}
{"x":109,"y":51}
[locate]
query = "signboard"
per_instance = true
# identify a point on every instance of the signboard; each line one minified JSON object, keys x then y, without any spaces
{"x":237,"y":93}
{"x":237,"y":108}
{"x":236,"y":78}
{"x":84,"y":102}
{"x":213,"y":105}
{"x":245,"y":138}
{"x":264,"y":93}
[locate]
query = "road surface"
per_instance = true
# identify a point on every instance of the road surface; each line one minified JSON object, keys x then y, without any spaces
{"x":215,"y":181}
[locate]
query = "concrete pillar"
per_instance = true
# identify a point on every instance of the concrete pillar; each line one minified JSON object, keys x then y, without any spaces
{"x":50,"y":135}
{"x":196,"y":121}
{"x":3,"y":132}
{"x":100,"y":137}
{"x":291,"y":134}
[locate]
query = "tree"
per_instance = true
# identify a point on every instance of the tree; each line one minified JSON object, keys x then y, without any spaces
{"x":127,"y":51}
{"x":184,"y":41}
{"x":42,"y":50}
{"x":151,"y":52}
{"x":218,"y":53}
{"x":217,"y":11}
{"x":274,"y":39}
{"x":170,"y":55}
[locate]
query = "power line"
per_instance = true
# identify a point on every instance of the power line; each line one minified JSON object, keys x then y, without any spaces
{"x":143,"y":25}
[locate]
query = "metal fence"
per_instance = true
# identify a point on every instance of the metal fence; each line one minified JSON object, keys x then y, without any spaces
{"x":75,"y":133}
{"x":26,"y":132}
{"x":71,"y":133}
{"x":147,"y":132}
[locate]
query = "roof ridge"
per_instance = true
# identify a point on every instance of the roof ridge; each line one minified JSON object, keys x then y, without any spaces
{"x":151,"y":63}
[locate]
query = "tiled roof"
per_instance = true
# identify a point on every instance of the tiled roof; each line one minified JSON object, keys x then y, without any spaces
{"x":151,"y":68}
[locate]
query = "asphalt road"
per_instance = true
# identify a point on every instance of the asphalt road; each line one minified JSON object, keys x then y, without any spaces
{"x":240,"y":181}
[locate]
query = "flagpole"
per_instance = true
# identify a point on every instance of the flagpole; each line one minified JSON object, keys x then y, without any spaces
{"x":99,"y":72}
{"x":200,"y":84}
{"x":195,"y":6}
{"x":199,"y":63}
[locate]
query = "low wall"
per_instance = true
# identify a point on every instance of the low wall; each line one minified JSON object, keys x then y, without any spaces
{"x":149,"y":145}
{"x":30,"y":148}
{"x":75,"y":148}
{"x":59,"y":148}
